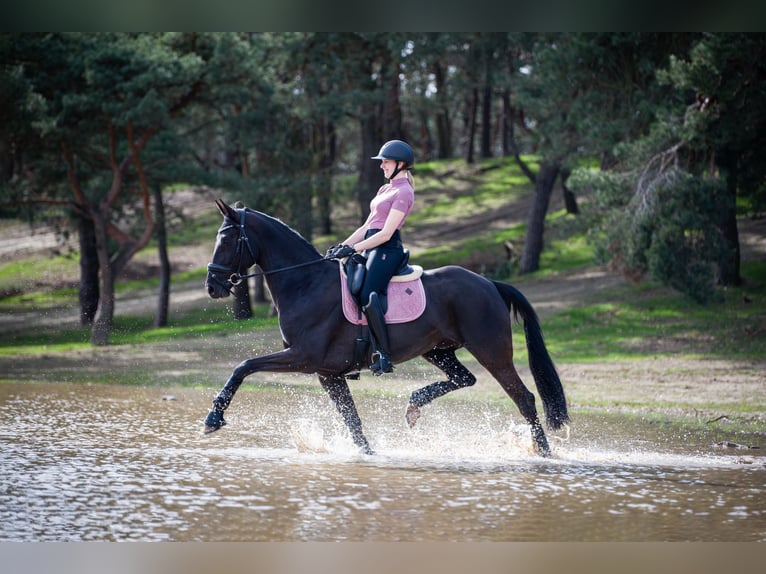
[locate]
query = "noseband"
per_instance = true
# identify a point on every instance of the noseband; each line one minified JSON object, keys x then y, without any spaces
{"x":235,"y":276}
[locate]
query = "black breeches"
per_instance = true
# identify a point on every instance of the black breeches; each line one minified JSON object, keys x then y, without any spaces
{"x":381,"y":266}
{"x":382,"y":263}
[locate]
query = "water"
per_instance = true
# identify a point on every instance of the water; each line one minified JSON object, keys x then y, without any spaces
{"x":114,"y":463}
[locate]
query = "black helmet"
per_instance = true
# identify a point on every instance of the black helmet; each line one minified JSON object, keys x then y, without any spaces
{"x":397,"y":150}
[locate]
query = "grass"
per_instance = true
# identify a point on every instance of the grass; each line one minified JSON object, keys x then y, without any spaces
{"x":139,"y":330}
{"x":490,"y":184}
{"x":195,"y":324}
{"x":27,"y":275}
{"x":650,"y":320}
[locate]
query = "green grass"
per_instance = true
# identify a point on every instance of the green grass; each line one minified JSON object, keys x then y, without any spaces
{"x":195,"y":324}
{"x":139,"y":330}
{"x":641,"y":321}
{"x":495,"y":183}
{"x":25,"y":275}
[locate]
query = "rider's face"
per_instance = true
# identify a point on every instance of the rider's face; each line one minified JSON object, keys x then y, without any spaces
{"x":388,"y":166}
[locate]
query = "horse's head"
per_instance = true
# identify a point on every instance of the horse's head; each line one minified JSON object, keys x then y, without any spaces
{"x":232,"y":254}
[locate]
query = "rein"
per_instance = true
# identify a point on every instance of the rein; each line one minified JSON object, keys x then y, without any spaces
{"x":236,"y":277}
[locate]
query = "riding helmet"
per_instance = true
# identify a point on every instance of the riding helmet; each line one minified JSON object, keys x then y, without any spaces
{"x":397,"y":150}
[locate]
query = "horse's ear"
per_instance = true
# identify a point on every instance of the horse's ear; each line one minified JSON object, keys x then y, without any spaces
{"x":225,"y":210}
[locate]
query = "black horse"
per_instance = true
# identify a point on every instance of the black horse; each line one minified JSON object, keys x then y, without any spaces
{"x":463,"y":310}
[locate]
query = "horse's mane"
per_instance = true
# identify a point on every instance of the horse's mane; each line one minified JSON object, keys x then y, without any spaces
{"x":283,"y":232}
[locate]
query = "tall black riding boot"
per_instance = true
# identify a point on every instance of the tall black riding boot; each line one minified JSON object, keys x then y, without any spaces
{"x":379,"y":330}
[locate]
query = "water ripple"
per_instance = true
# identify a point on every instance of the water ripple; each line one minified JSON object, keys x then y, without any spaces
{"x":120,"y":463}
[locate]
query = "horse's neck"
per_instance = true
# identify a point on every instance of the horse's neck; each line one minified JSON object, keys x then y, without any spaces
{"x":280,"y":247}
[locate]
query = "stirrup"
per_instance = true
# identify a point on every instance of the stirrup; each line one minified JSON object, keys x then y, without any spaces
{"x":381,"y":365}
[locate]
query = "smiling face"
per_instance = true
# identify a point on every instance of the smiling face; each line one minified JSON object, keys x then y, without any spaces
{"x":388,"y":166}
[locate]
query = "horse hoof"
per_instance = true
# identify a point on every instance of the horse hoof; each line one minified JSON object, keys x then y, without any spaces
{"x":542,"y":449}
{"x":214,"y":421}
{"x":209,"y":429}
{"x":412,"y":415}
{"x":540,"y":442}
{"x":364,"y":447}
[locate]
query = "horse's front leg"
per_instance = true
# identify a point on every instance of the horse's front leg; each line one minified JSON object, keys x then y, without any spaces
{"x":337,"y":388}
{"x":214,"y":419}
{"x":283,"y":361}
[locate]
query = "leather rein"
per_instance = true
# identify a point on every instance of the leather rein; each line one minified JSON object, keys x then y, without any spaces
{"x":236,"y":277}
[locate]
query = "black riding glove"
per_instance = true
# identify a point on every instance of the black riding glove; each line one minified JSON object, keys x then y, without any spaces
{"x":339,"y":251}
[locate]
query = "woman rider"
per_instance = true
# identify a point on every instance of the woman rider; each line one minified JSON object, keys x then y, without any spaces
{"x":379,"y":236}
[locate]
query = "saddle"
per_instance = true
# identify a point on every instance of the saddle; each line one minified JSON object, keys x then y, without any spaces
{"x":404,"y":301}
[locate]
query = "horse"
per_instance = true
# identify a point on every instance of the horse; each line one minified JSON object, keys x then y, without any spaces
{"x":463,"y":310}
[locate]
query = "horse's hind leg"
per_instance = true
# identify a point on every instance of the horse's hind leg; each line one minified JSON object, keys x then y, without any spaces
{"x":525,"y":400}
{"x":512,"y":384}
{"x":458,"y":377}
{"x":337,"y":387}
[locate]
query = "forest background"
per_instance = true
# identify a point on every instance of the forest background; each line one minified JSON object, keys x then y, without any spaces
{"x":654,"y":138}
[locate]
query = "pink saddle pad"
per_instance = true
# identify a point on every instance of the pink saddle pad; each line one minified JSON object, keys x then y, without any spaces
{"x":406,"y":301}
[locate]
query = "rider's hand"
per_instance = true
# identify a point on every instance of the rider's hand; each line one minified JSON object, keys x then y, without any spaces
{"x":339,"y":251}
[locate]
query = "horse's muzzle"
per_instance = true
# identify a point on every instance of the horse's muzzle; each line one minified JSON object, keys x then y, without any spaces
{"x":217,"y":286}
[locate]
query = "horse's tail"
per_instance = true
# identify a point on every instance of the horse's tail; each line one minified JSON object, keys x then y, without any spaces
{"x":540,"y":362}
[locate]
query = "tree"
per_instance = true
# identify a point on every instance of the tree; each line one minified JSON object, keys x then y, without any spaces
{"x":582,"y":94}
{"x":107,"y":101}
{"x":377,"y":111}
{"x":669,"y":203}
{"x":724,"y":86}
{"x":547,"y":102}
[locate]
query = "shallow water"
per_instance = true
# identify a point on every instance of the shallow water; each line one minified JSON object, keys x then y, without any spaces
{"x":130,"y":463}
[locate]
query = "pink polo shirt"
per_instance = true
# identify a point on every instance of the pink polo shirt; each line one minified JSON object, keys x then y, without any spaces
{"x":397,"y":195}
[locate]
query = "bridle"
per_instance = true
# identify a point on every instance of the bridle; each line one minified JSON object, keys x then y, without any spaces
{"x":234,"y":273}
{"x":235,"y":276}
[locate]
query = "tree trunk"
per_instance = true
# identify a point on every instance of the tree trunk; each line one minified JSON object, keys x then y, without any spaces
{"x":163,"y":299}
{"x":89,"y":290}
{"x":443,"y":125}
{"x":242,"y":307}
{"x":507,"y":123}
{"x":102,"y":325}
{"x":323,"y":194}
{"x":391,"y":114}
{"x":473,"y":106}
{"x":533,"y":241}
{"x":426,"y":140}
{"x":570,"y":200}
{"x":323,"y":187}
{"x":370,"y":175}
{"x":486,"y":119}
{"x":259,"y":288}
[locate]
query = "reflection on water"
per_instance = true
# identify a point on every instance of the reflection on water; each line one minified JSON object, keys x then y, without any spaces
{"x":130,"y":463}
